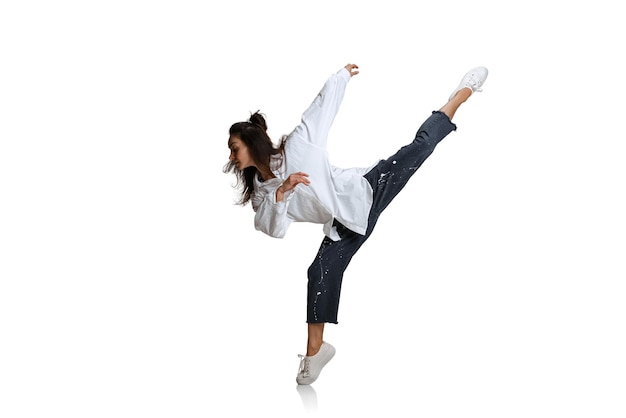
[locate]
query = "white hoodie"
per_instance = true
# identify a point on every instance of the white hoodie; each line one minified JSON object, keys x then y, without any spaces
{"x":333,"y":193}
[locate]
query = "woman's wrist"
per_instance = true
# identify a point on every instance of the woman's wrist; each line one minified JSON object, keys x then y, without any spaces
{"x":279,"y":193}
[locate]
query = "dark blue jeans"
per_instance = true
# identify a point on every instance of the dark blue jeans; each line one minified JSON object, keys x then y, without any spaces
{"x":387,"y":178}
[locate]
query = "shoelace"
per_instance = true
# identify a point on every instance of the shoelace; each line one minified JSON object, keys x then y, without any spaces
{"x":473,"y":83}
{"x":304,"y":365}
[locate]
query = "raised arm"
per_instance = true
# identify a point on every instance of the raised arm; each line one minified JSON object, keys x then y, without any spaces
{"x":318,"y":118}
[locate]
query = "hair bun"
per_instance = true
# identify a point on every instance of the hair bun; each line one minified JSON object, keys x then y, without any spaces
{"x":257,"y":119}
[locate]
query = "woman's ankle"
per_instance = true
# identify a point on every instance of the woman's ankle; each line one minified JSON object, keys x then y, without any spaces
{"x":313,"y":348}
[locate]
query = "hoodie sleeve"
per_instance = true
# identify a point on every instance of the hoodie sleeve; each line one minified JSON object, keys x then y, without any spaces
{"x":271,"y":216}
{"x":318,"y":118}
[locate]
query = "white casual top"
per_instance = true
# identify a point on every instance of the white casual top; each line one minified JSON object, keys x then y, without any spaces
{"x":334,"y":193}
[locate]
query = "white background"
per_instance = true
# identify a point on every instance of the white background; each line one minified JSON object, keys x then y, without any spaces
{"x":132,"y":285}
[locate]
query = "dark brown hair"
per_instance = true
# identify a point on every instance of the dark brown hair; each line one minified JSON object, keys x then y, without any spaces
{"x":253,"y":133}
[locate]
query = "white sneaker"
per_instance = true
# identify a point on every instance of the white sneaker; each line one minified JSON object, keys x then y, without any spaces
{"x":310,"y":367}
{"x":473,"y":79}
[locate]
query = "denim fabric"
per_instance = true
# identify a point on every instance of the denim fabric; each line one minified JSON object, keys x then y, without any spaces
{"x":387,"y":178}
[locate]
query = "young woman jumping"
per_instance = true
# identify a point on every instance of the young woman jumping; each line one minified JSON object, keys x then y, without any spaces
{"x":295,"y":182}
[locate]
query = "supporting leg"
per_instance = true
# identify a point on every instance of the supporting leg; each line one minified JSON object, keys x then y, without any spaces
{"x":316,"y":336}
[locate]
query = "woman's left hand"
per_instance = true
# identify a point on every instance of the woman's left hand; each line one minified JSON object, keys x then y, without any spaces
{"x":292,"y":181}
{"x":353,"y":69}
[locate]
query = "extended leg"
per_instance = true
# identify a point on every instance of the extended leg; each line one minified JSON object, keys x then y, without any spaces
{"x":453,"y":104}
{"x":472,"y":81}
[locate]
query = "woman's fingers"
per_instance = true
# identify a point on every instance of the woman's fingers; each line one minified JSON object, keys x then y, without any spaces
{"x":297,"y":178}
{"x":294,"y":179}
{"x":352,"y":69}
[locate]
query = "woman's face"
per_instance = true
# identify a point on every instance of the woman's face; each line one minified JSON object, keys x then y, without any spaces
{"x":239,"y":154}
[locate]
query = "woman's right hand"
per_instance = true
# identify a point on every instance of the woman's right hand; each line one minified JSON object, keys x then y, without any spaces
{"x":290,"y":183}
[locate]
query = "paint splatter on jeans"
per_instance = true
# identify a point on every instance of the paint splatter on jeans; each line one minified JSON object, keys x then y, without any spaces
{"x":387,"y":178}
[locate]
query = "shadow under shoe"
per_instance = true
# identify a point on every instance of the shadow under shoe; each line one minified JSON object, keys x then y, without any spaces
{"x":308,"y":396}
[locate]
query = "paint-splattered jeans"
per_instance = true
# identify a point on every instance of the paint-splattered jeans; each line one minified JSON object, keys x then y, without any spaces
{"x":387,"y":178}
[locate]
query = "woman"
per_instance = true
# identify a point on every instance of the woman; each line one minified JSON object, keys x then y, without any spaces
{"x":295,"y":182}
